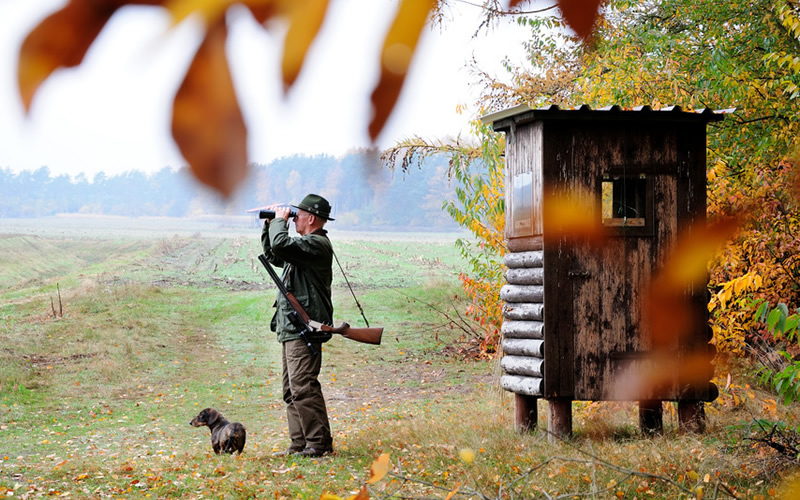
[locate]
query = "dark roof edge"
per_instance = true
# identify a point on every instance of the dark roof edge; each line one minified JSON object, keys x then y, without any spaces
{"x":523,"y":114}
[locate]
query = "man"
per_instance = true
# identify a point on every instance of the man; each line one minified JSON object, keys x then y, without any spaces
{"x":307,"y":262}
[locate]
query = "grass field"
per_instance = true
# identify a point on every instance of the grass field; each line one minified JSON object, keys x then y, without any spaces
{"x":115,"y":332}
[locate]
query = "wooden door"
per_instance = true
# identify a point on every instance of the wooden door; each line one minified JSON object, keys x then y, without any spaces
{"x":608,"y":283}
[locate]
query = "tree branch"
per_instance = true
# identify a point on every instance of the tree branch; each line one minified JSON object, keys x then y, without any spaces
{"x":498,"y":12}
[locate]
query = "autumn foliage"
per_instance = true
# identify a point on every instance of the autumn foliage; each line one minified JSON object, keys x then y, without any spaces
{"x":478,"y":173}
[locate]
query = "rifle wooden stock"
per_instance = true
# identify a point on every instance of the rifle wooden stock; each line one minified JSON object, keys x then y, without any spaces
{"x":364,"y":335}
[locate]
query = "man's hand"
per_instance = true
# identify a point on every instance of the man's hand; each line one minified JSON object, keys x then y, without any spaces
{"x":282,"y":211}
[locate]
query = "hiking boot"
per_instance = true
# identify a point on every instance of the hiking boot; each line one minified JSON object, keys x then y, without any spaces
{"x":316,"y":452}
{"x":287,"y":452}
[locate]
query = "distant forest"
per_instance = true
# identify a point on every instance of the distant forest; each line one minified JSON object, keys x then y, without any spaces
{"x":363,"y":193}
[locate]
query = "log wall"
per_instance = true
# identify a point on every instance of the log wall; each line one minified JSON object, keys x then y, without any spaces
{"x":523,"y":323}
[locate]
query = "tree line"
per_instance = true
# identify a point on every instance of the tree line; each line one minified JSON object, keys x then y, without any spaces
{"x":364,"y":192}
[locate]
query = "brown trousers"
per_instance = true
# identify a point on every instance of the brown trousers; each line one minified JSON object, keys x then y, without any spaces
{"x":302,"y":392}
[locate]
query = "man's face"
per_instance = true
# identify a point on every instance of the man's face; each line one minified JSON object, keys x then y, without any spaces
{"x":301,"y":222}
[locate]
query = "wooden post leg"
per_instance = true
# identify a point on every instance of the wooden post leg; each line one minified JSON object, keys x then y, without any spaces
{"x":559,"y":421}
{"x":651,"y":420}
{"x":691,"y":416}
{"x":526,"y":413}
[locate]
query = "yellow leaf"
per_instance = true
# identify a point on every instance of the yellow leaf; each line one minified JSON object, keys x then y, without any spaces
{"x":789,"y":490}
{"x":398,"y":49}
{"x":211,"y":10}
{"x":466,"y":455}
{"x":725,"y":295}
{"x":693,"y":475}
{"x":379,"y":468}
{"x":305,"y":20}
{"x":741,"y":284}
{"x":329,"y":496}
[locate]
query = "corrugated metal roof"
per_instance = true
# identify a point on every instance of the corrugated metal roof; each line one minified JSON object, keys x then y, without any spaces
{"x":523,"y":112}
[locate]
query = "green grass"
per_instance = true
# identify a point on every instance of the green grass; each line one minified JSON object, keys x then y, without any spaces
{"x":158,"y":325}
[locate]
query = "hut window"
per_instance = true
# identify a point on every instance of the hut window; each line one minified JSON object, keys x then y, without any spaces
{"x":522,"y":204}
{"x":625,"y":201}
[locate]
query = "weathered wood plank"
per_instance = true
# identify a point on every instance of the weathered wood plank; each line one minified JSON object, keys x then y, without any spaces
{"x":522,"y":365}
{"x":522,"y":293}
{"x":530,"y":386}
{"x":523,"y":311}
{"x":524,"y":157}
{"x":516,"y":260}
{"x":588,"y":280}
{"x":524,"y":347}
{"x":525,"y":276}
{"x":522,"y":329}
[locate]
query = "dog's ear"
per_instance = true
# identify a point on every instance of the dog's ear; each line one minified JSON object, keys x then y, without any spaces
{"x":212,"y":416}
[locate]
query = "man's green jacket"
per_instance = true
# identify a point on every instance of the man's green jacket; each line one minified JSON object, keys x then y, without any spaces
{"x":307,"y":263}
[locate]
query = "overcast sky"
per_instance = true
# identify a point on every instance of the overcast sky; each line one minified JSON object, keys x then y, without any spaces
{"x":112,"y":113}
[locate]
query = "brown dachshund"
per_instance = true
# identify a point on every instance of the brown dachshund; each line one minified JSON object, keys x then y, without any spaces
{"x":226,"y":437}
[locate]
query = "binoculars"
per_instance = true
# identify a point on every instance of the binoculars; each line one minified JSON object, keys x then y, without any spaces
{"x":270,"y":214}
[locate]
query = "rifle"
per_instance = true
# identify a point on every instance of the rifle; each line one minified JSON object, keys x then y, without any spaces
{"x":299,"y":317}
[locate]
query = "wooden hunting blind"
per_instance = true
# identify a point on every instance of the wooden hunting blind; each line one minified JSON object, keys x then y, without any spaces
{"x":573,"y":326}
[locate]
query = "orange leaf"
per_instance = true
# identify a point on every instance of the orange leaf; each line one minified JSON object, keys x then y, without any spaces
{"x":305,"y":20}
{"x":669,"y":316}
{"x":795,"y":177}
{"x":694,"y":249}
{"x":572,"y":214}
{"x":515,"y":3}
{"x":60,"y":40}
{"x":379,"y":468}
{"x":206,"y":121}
{"x":398,"y":50}
{"x":580,"y":15}
{"x":453,"y":493}
{"x":362,"y":494}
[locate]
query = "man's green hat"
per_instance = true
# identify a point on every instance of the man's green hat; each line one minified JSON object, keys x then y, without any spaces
{"x":317,"y":205}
